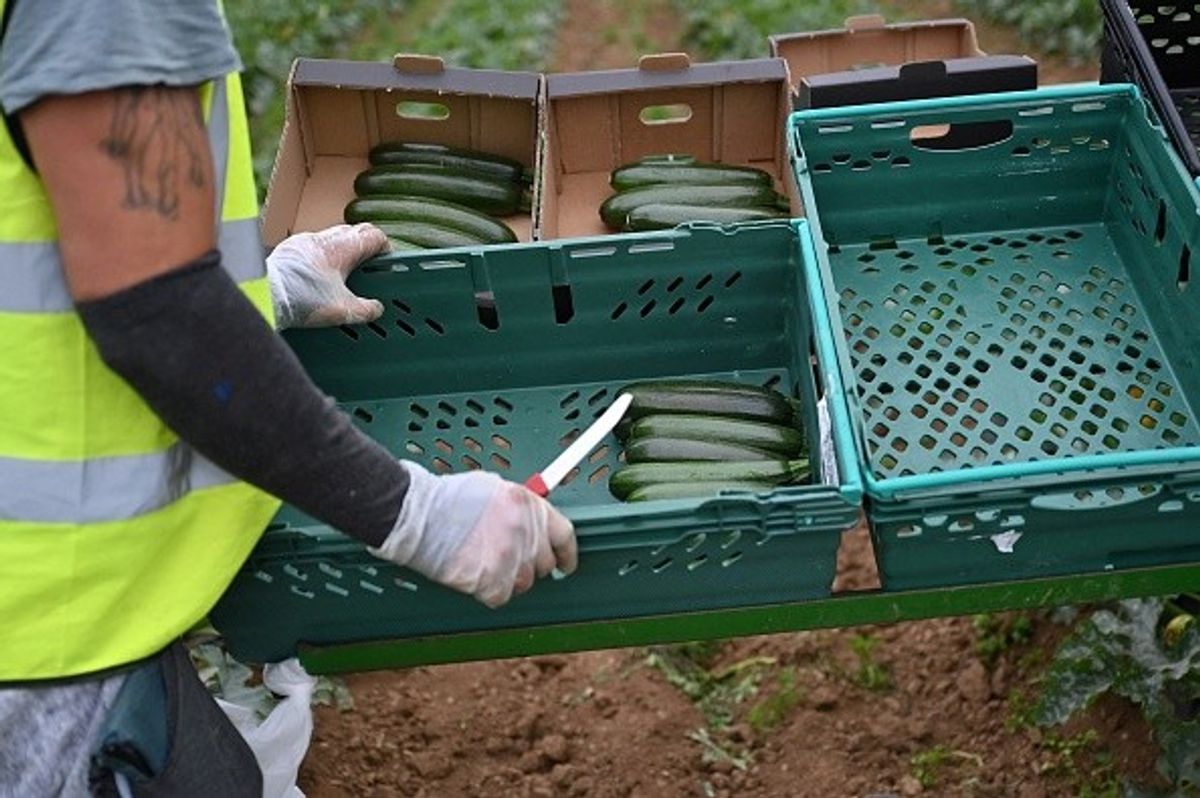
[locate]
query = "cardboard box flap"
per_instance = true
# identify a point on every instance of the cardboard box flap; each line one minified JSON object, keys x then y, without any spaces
{"x":374,"y":75}
{"x":652,"y":75}
{"x":867,"y":41}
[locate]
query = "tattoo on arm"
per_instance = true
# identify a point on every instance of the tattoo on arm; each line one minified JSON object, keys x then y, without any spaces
{"x":157,"y":135}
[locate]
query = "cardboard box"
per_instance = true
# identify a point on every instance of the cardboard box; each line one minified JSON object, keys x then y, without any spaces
{"x":338,"y":110}
{"x":867,"y":41}
{"x":730,"y":112}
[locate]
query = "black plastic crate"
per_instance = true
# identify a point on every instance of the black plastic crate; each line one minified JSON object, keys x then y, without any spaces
{"x":1158,"y":48}
{"x":918,"y":80}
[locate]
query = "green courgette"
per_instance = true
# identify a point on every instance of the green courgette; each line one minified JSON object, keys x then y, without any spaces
{"x":496,"y":166}
{"x":660,"y":216}
{"x":709,"y":398}
{"x":783,"y":441}
{"x":691,"y":490}
{"x":462,"y":187}
{"x":669,"y":450}
{"x":429,"y":236}
{"x":397,"y":244}
{"x":399,"y":208}
{"x":709,"y":174}
{"x":627,"y":479}
{"x":668,"y":159}
{"x":616,"y":209}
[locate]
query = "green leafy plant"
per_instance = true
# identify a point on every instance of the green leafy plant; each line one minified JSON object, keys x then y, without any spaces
{"x":871,"y":674}
{"x":1070,"y":27}
{"x":995,"y":633}
{"x":928,"y":764}
{"x":774,"y":709}
{"x":717,"y":29}
{"x":1122,"y":650}
{"x":715,"y":691}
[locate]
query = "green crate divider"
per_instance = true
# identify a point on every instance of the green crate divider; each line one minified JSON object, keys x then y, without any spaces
{"x":497,"y":358}
{"x":1014,"y":326}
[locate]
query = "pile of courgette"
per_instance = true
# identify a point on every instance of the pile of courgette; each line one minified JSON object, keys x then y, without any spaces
{"x":428,"y":196}
{"x":692,"y":438}
{"x":662,"y":191}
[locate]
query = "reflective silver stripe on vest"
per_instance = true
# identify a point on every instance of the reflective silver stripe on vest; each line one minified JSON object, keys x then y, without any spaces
{"x":103,"y":488}
{"x":32,"y":281}
{"x":218,"y":141}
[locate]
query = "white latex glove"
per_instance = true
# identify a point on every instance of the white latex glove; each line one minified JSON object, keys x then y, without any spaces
{"x":478,"y":534}
{"x":308,"y":272}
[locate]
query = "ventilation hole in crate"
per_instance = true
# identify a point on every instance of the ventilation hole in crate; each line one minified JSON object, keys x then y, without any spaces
{"x":1021,"y":152}
{"x":364,"y":415}
{"x":470,"y":421}
{"x":598,"y":475}
{"x":704,"y":303}
{"x":499,"y":461}
{"x":443,"y":445}
{"x":441,"y":466}
{"x":499,"y":420}
{"x":412,"y":447}
{"x":841,"y":158}
{"x":472,"y":444}
{"x":414,"y":427}
{"x":661,"y":565}
{"x":406,"y":327}
{"x":349,"y":332}
{"x":861,"y":165}
{"x":475,"y":406}
{"x":619,"y":311}
{"x":627,"y":568}
{"x":676,"y":306}
{"x":697,"y":562}
{"x":731,"y":559}
{"x":733,"y":278}
{"x":703,"y":281}
{"x":568,"y":438}
{"x":471,"y":463}
{"x":900,"y":162}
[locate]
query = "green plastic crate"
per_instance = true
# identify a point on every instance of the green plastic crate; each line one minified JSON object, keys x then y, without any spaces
{"x":1016,"y":318}
{"x":497,"y":358}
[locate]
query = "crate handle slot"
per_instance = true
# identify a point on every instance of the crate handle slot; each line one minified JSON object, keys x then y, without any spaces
{"x":961,"y":136}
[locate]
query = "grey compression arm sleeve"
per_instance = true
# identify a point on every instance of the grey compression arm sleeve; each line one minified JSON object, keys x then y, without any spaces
{"x":200,"y":355}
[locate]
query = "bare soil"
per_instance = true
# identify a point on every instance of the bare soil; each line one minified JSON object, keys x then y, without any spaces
{"x":900,"y":710}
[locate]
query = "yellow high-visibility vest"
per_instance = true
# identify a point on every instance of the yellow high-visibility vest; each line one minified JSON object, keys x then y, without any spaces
{"x":115,"y":537}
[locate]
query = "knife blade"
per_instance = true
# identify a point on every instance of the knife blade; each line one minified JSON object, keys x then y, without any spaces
{"x":548,"y":478}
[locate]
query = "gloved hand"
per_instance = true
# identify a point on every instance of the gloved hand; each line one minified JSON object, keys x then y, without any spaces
{"x":308,"y":271}
{"x":478,"y":534}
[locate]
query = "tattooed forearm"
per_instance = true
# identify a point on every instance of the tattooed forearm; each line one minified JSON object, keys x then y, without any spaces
{"x":157,"y":135}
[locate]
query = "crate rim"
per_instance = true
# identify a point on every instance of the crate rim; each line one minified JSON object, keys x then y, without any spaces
{"x":971,"y":479}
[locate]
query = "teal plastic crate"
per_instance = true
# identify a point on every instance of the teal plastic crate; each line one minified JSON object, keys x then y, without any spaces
{"x":1009,"y":283}
{"x":497,"y":358}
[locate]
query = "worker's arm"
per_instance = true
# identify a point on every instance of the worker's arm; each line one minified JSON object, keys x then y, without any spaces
{"x":129,"y":175}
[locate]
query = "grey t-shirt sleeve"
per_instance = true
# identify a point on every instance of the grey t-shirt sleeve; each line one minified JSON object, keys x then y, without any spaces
{"x":75,"y":46}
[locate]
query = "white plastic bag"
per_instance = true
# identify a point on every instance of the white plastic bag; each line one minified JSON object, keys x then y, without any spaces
{"x":281,"y":740}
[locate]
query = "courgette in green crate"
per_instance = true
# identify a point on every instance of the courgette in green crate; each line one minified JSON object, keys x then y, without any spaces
{"x":666,"y":450}
{"x":692,"y":490}
{"x":709,"y":398}
{"x":660,"y":216}
{"x":710,"y":174}
{"x":770,"y":437}
{"x":616,"y":209}
{"x":458,"y":186}
{"x":495,"y":166}
{"x":402,"y":208}
{"x":624,"y":481}
{"x":428,"y":236}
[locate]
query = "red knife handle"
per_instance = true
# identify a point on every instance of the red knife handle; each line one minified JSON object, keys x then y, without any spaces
{"x":536,"y":484}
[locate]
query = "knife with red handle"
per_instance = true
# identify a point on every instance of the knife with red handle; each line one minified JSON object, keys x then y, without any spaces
{"x":548,"y":478}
